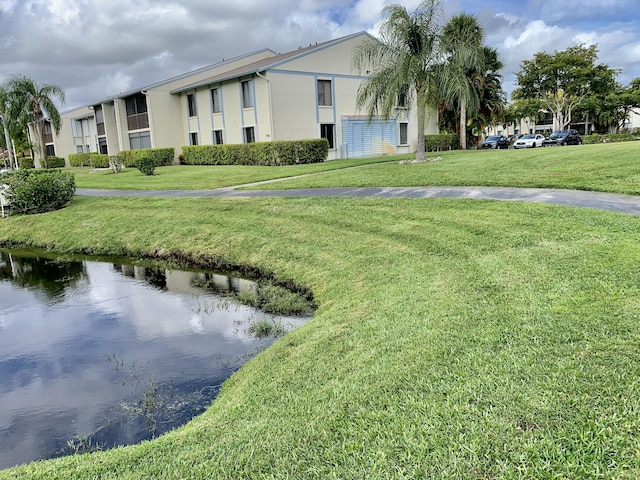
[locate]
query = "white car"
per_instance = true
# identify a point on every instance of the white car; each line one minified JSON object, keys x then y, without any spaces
{"x":529,"y":141}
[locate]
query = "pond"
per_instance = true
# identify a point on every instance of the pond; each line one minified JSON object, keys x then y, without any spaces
{"x":95,"y":354}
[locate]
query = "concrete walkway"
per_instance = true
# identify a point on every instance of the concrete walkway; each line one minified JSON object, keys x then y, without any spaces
{"x":574,"y":198}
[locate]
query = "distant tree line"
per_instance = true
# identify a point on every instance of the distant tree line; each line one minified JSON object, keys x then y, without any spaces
{"x":570,"y":84}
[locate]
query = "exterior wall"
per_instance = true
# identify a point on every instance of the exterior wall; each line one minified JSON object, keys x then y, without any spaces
{"x":111,"y":128}
{"x":165,"y":112}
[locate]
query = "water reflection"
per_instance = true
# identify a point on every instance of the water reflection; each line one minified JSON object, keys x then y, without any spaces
{"x":45,"y":275}
{"x":111,"y":353}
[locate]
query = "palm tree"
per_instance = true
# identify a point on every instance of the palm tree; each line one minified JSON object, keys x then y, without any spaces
{"x":4,"y":118}
{"x":401,"y":64}
{"x":31,"y":102}
{"x":462,"y":39}
{"x":491,"y":97}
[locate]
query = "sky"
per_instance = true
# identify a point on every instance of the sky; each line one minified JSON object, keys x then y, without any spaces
{"x":93,"y":49}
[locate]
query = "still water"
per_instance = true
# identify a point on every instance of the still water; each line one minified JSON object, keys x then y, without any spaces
{"x":97,"y":354}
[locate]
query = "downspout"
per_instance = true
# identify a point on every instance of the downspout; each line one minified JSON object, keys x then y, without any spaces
{"x":271,"y":133}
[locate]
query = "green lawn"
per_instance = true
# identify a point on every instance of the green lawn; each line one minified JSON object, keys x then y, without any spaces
{"x":195,"y":177}
{"x":611,"y":168}
{"x":454,"y":338}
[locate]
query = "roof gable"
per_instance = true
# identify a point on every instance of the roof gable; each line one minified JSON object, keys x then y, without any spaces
{"x":267,"y":63}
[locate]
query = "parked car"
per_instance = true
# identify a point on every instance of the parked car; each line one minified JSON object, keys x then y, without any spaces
{"x":496,"y":141}
{"x":562,"y":138}
{"x":529,"y":141}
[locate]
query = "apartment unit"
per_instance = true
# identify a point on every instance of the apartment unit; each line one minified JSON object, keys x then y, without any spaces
{"x":259,"y":97}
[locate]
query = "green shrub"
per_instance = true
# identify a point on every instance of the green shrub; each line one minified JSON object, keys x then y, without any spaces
{"x":55,"y":162}
{"x":284,"y":152}
{"x":277,"y":300}
{"x":146,"y":165}
{"x":160,"y":156}
{"x":443,"y":141}
{"x":608,"y":138}
{"x":37,"y":191}
{"x":25,"y":162}
{"x":92,"y":160}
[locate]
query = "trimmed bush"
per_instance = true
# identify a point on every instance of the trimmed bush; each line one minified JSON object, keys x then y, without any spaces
{"x":146,"y":165}
{"x":443,"y":141}
{"x":25,"y":162}
{"x":93,"y":160}
{"x":160,"y":156}
{"x":284,"y":152}
{"x":37,"y":191}
{"x":608,"y":138}
{"x":55,"y":162}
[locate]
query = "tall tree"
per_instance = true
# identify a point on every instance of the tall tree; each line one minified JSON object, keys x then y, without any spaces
{"x":401,"y":64}
{"x":491,"y":97}
{"x":33,"y":103}
{"x":5,"y":119}
{"x":562,"y":81}
{"x":462,"y":40}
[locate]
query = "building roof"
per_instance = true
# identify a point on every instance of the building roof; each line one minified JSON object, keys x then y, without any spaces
{"x":264,"y":64}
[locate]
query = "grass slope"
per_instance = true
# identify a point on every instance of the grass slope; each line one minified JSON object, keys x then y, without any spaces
{"x":189,"y":177}
{"x":609,"y":168}
{"x":454,"y":339}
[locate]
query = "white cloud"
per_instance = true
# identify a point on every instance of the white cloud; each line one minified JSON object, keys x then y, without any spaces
{"x":93,"y":49}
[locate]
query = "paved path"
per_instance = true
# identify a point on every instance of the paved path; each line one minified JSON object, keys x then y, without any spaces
{"x":574,"y":198}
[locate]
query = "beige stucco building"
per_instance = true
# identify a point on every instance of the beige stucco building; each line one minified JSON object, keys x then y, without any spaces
{"x":258,"y":97}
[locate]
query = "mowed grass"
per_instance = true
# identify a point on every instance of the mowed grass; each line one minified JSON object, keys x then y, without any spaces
{"x":611,"y":168}
{"x":453,"y":339}
{"x":195,"y":177}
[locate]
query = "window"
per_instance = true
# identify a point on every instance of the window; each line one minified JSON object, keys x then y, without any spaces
{"x":404,"y":133}
{"x":327,"y":131}
{"x":139,"y":140}
{"x":47,"y":132}
{"x":137,"y":117}
{"x":136,"y":104}
{"x":78,"y":148}
{"x":102,"y":145}
{"x":78,"y":129}
{"x":217,"y":137}
{"x":99,"y":119}
{"x":216,"y":100}
{"x":324,"y":93}
{"x":249,"y":135}
{"x":193,"y":138}
{"x":50,"y":150}
{"x":247,"y":98}
{"x":191,"y":105}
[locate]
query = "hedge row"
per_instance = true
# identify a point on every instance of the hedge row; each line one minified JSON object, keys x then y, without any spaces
{"x":55,"y":162}
{"x":160,"y":156}
{"x":37,"y":191}
{"x":93,"y":160}
{"x":443,"y":141}
{"x":284,"y":152}
{"x":25,"y":162}
{"x":607,"y":138}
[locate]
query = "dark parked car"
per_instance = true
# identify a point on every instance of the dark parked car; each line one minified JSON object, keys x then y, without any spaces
{"x":562,"y":138}
{"x":496,"y":141}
